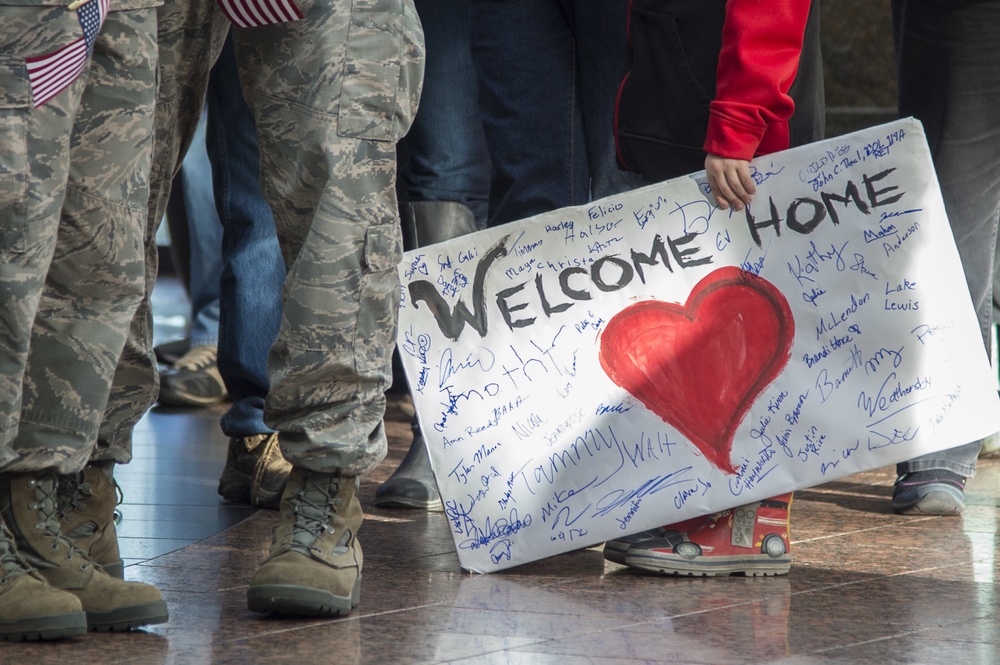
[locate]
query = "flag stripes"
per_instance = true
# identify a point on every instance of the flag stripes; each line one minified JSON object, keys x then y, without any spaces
{"x":50,"y":74}
{"x":253,"y":13}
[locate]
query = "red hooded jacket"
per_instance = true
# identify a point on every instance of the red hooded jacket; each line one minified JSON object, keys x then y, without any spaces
{"x":761,"y":45}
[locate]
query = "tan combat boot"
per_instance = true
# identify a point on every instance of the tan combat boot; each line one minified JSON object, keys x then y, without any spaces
{"x":30,"y":608}
{"x":87,"y":502}
{"x":314,"y":566}
{"x":28,"y":507}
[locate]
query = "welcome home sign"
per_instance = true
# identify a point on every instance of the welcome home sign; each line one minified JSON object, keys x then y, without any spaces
{"x":604,"y":369}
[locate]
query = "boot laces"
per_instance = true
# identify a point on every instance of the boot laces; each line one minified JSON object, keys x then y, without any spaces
{"x":313,"y":507}
{"x":73,"y":493}
{"x":46,"y":507}
{"x":11,"y":563}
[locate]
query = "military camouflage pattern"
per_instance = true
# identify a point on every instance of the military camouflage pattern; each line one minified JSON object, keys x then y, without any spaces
{"x":72,"y":214}
{"x":331,"y":95}
{"x":116,"y":5}
{"x":190,"y":38}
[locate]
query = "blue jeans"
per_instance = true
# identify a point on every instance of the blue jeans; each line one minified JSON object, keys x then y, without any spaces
{"x":548,"y":74}
{"x":444,"y":156}
{"x":205,"y":240}
{"x":948,"y":57}
{"x":253,"y":269}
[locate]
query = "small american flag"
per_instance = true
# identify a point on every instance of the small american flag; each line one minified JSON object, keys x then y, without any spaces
{"x":251,"y":13}
{"x":52,"y":73}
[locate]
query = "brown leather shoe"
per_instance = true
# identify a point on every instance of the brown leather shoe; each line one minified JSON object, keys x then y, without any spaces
{"x":255,"y":472}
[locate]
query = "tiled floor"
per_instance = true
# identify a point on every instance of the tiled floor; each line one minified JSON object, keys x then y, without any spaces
{"x":867,"y":586}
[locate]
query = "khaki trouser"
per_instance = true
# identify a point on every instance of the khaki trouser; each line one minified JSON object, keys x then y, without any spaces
{"x":331,"y":95}
{"x":73,"y":192}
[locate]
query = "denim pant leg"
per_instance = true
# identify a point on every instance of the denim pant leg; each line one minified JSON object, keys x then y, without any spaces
{"x":445,"y":150}
{"x":205,"y":240}
{"x":252,"y":267}
{"x":600,"y":29}
{"x":525,"y":55}
{"x":949,"y":78}
{"x":548,"y":73}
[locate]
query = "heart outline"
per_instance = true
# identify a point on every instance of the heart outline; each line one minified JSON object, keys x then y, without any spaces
{"x":718,"y":310}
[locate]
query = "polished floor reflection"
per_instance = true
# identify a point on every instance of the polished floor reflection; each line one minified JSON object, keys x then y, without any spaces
{"x":867,"y":586}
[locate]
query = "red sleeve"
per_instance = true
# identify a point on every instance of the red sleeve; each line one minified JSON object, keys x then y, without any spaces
{"x":761,"y":45}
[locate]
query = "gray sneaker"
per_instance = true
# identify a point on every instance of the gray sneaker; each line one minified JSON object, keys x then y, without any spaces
{"x":933,"y":492}
{"x":194,"y":380}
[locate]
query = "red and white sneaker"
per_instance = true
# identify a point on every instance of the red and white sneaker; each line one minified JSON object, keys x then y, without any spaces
{"x":749,"y":540}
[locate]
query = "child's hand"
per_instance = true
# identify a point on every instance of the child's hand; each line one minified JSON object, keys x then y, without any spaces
{"x":730,"y":181}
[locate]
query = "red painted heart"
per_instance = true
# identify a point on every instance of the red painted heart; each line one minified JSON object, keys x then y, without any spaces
{"x":700,"y":366}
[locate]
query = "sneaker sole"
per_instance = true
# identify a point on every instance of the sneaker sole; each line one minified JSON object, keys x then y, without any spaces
{"x":235,"y":487}
{"x":45,"y":628}
{"x":759,"y":565}
{"x":937,"y":502}
{"x":127,"y":618}
{"x":615,"y":551}
{"x":288,"y":599}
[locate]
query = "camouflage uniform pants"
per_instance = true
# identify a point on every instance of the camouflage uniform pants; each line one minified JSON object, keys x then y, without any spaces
{"x":73,"y":192}
{"x":331,"y":95}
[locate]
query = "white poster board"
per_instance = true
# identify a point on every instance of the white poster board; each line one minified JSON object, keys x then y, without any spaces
{"x":604,"y":369}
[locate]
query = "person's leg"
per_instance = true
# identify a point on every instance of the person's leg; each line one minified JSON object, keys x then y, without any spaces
{"x":444,"y":179}
{"x":525,"y":60}
{"x":948,"y":61}
{"x":446,"y":156}
{"x":205,"y":239}
{"x":412,"y":484}
{"x":328,"y":166}
{"x":31,"y":198}
{"x":193,"y":380}
{"x":93,"y":285}
{"x":250,"y":291}
{"x":184,"y":37}
{"x":600,"y":37}
{"x":190,"y":36}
